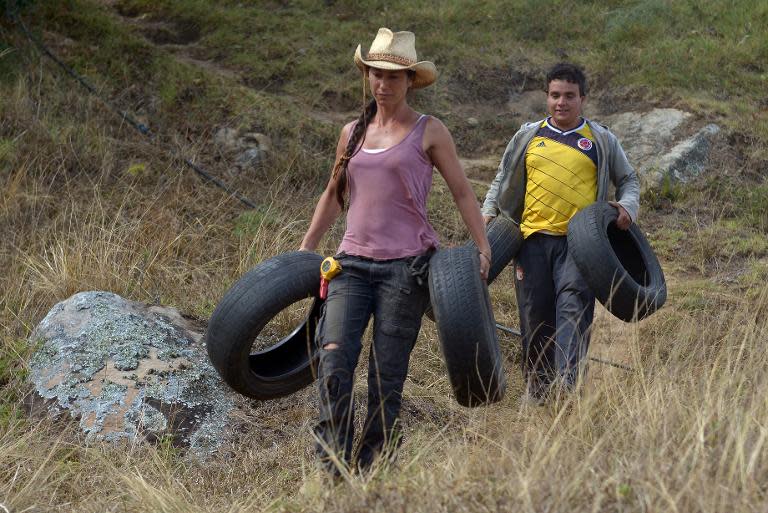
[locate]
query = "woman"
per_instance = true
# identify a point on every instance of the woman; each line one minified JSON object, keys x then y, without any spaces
{"x":384,"y":164}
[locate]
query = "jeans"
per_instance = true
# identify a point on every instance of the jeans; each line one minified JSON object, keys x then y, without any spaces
{"x":388,"y":291}
{"x":556,"y":311}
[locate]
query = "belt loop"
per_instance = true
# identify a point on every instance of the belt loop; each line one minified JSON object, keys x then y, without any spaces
{"x":419,"y":266}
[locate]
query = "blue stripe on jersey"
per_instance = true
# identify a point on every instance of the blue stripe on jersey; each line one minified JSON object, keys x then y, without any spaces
{"x":572,"y":138}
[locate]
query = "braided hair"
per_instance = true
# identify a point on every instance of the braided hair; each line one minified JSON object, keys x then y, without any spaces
{"x":340,"y":169}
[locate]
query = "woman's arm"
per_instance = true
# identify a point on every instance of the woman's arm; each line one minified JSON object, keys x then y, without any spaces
{"x":327,"y":208}
{"x":439,"y":145}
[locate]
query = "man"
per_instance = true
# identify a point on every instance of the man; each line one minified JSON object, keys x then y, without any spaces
{"x":550,"y":170}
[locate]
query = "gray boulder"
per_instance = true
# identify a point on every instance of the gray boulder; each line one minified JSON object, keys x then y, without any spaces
{"x":657,"y":144}
{"x":128,"y":371}
{"x":685,"y":160}
{"x":249,"y":149}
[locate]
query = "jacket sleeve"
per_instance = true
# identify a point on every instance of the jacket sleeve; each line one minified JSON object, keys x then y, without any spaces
{"x":490,"y":205}
{"x":624,"y":178}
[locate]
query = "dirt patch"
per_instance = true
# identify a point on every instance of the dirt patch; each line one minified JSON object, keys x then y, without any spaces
{"x":274,"y":83}
{"x":343,"y":101}
{"x":128,"y":11}
{"x":333,"y":118}
{"x":207,"y":66}
{"x":487,"y":106}
{"x":481,"y":170}
{"x":416,"y":410}
{"x":481,"y":134}
{"x":175,"y":33}
{"x":159,"y":32}
{"x":491,"y":85}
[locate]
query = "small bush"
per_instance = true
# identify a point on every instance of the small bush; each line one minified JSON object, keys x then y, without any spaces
{"x":8,"y":6}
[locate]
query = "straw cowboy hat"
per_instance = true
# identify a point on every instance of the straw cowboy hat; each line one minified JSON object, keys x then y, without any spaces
{"x":396,"y":50}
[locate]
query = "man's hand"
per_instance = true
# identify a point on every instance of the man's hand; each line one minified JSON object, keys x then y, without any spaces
{"x":487,"y":219}
{"x":623,"y":221}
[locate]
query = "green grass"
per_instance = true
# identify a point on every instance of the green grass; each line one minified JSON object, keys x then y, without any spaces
{"x":708,"y":55}
{"x":13,"y":374}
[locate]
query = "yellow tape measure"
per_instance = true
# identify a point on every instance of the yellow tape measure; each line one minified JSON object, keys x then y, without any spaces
{"x":329,"y":268}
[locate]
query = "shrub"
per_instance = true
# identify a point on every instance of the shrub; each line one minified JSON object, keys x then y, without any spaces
{"x":7,"y":6}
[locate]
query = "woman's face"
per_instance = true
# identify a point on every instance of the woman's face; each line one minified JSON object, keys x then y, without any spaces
{"x":389,"y":87}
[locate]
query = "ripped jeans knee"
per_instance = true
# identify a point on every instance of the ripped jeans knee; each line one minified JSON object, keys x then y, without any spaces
{"x":335,"y":386}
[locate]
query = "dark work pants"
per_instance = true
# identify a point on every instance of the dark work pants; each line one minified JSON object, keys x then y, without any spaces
{"x":386,"y":290}
{"x":556,"y":310}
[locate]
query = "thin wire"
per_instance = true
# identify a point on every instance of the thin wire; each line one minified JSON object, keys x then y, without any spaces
{"x":517,"y":333}
{"x":13,"y":15}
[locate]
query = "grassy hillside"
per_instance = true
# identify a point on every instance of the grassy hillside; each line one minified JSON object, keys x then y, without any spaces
{"x":87,"y":203}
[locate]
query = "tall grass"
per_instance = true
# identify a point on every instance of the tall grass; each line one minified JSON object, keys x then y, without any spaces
{"x":686,"y":431}
{"x":85,"y":205}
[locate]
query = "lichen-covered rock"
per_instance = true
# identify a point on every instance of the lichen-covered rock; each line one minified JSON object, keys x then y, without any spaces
{"x":127,"y":370}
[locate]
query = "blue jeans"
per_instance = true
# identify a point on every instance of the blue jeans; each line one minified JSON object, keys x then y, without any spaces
{"x":556,"y":311}
{"x":388,"y":291}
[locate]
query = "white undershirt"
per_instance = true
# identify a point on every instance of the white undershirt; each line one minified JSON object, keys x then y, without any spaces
{"x":379,"y":150}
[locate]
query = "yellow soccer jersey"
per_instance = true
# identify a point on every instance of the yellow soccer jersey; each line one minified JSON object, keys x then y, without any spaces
{"x":561,"y":179}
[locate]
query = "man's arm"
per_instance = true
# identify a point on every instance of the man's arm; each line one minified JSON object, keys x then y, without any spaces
{"x":624,"y":177}
{"x":490,"y":205}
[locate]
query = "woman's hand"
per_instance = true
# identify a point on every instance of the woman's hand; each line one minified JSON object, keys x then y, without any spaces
{"x":485,"y":265}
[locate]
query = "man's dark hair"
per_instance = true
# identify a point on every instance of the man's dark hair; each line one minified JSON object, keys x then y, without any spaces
{"x":570,"y":73}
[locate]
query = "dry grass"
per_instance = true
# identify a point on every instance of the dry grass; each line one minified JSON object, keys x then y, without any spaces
{"x":685,"y":432}
{"x":86,"y":205}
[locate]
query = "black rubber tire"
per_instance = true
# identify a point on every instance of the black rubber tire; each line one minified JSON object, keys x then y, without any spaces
{"x":505,"y":239}
{"x":247,"y":307}
{"x":619,"y":265}
{"x":466,"y":327}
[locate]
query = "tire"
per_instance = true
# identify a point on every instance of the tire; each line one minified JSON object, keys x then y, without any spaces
{"x":619,"y":265}
{"x":505,"y":239}
{"x":466,"y":327}
{"x":247,"y":307}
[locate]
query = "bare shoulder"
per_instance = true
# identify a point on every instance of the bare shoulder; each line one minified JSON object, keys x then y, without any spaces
{"x":347,"y":129}
{"x":435,"y":126}
{"x":343,"y":138}
{"x":436,"y":133}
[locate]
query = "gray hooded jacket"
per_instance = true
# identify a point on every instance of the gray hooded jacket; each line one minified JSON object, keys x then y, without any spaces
{"x":507,"y":191}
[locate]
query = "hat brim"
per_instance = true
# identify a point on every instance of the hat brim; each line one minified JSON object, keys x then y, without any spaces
{"x":426,"y":72}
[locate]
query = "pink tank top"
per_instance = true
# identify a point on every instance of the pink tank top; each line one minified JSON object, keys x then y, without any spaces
{"x":388,"y":190}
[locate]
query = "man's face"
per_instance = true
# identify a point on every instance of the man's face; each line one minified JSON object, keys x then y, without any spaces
{"x":564,"y":103}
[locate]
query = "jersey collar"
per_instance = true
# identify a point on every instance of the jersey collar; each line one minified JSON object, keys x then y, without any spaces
{"x":572,"y":130}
